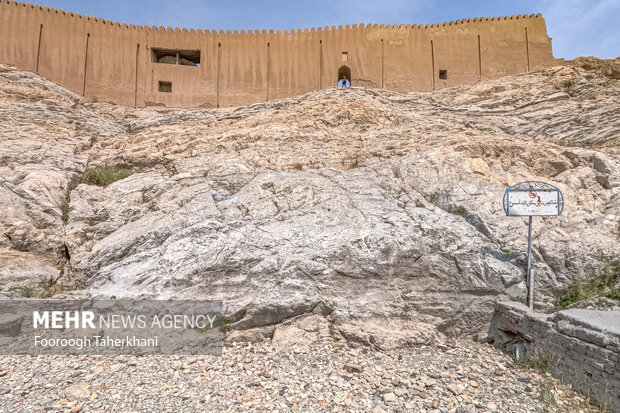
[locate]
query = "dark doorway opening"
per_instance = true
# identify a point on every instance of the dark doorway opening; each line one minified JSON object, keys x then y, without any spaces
{"x":344,"y":72}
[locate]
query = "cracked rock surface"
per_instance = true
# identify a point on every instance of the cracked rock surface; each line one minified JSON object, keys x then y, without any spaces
{"x":379,"y":210}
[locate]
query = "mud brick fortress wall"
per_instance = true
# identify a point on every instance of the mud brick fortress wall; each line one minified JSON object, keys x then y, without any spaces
{"x":121,"y":63}
{"x":583,"y":346}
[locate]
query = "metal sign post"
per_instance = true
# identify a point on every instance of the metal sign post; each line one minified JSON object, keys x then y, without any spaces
{"x":532,"y":198}
{"x":530,"y":280}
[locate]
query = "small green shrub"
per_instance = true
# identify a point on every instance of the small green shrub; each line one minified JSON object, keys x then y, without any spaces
{"x":64,"y":210}
{"x":351,"y":161}
{"x":606,"y":284}
{"x":546,"y":394}
{"x":572,"y":143}
{"x":74,"y":181}
{"x":539,"y":361}
{"x":31,"y":292}
{"x":225,"y":324}
{"x":104,"y":175}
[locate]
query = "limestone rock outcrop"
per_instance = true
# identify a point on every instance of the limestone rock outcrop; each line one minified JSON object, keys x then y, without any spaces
{"x":378,"y":210}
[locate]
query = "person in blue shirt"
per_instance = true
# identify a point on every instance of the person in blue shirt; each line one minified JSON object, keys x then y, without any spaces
{"x":343,"y":83}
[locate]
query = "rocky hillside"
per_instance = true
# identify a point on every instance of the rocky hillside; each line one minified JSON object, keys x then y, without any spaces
{"x":379,"y":212}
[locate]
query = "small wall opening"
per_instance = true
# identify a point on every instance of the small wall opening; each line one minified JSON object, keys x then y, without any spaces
{"x":345,"y":57}
{"x":344,"y":72}
{"x":165,"y":86}
{"x":175,"y":56}
{"x":443,"y":74}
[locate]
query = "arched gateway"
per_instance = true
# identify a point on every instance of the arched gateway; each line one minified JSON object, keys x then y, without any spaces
{"x":344,"y":72}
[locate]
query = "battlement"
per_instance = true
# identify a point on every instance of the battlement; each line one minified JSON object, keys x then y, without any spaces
{"x":242,"y":32}
{"x":122,"y":62}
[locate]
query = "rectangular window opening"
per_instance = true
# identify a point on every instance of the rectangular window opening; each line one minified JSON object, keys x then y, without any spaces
{"x":165,"y":86}
{"x":443,"y":74}
{"x":345,"y":56}
{"x":175,"y":56}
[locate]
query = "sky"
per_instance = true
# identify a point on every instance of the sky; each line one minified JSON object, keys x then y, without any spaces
{"x":577,"y":27}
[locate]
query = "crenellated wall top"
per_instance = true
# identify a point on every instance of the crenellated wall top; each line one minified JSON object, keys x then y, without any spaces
{"x":251,"y":32}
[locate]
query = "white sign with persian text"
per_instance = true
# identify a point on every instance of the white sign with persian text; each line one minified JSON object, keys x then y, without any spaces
{"x":538,"y":202}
